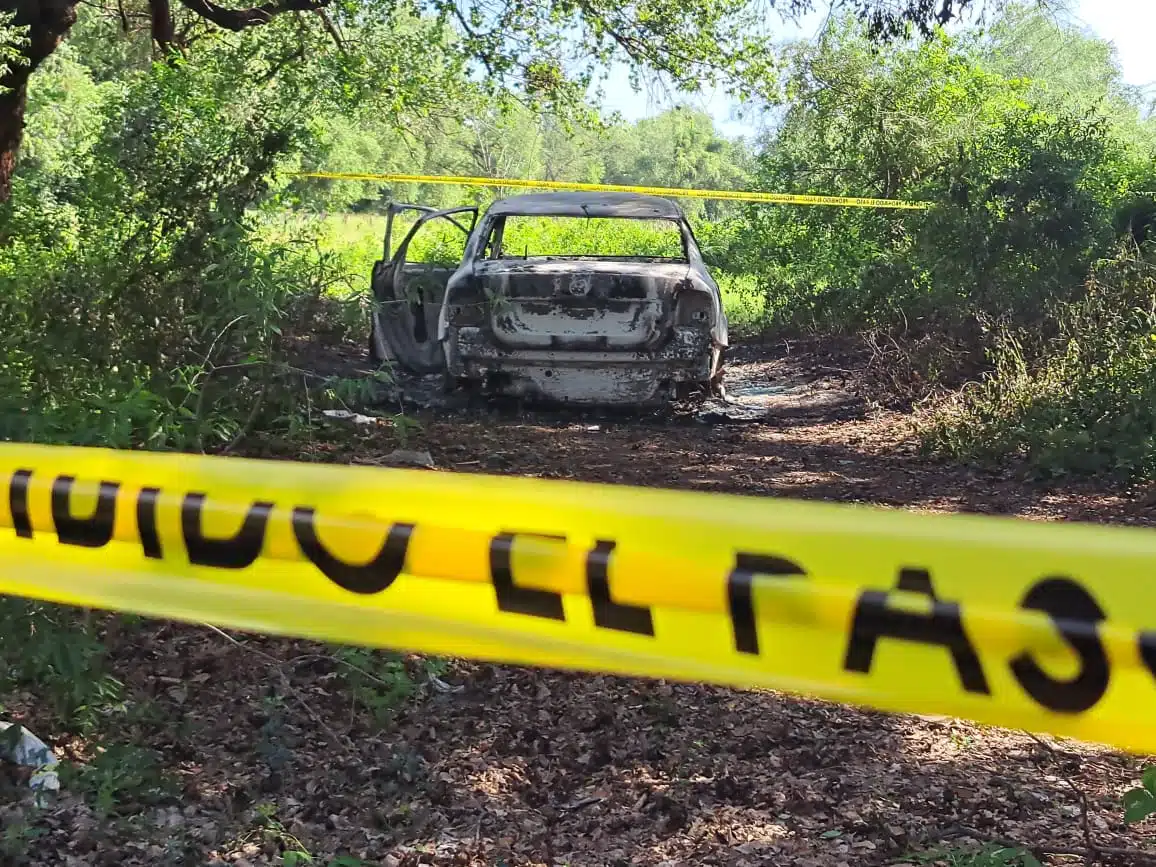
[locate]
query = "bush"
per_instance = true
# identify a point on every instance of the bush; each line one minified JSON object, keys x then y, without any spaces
{"x":1080,"y":402}
{"x":1026,"y":192}
{"x":141,"y":306}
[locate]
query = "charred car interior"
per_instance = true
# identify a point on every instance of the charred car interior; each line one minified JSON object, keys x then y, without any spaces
{"x":612,"y":305}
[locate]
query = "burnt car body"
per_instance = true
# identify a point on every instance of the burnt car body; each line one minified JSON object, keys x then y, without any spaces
{"x":584,"y":329}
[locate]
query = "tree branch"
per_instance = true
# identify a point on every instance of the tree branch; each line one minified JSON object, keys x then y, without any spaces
{"x":239,"y":19}
{"x":331,"y":29}
{"x":479,"y":53}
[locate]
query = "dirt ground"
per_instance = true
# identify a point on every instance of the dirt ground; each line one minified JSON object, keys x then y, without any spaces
{"x":491,"y":765}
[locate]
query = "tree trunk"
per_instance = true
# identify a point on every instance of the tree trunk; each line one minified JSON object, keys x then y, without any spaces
{"x":48,"y":22}
{"x":162,"y":23}
{"x":11,"y":132}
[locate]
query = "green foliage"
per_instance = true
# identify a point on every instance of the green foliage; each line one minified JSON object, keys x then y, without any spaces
{"x":17,"y":836}
{"x":142,"y":307}
{"x":487,"y":137}
{"x":595,"y":236}
{"x":1140,"y":803}
{"x":744,"y":303}
{"x":120,"y":778}
{"x":380,"y":681}
{"x":271,"y":829}
{"x":52,"y":651}
{"x":13,"y":38}
{"x":989,"y":855}
{"x":679,"y":148}
{"x":1061,"y":64}
{"x":1081,"y":400}
{"x":1031,"y":209}
{"x":1025,"y":190}
{"x":66,"y":112}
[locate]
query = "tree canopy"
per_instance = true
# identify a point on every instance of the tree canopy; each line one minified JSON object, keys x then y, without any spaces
{"x":543,"y":52}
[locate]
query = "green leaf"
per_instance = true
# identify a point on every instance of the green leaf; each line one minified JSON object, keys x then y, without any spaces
{"x":831,"y":835}
{"x":1138,"y":804}
{"x":1005,"y":855}
{"x":1148,"y":779}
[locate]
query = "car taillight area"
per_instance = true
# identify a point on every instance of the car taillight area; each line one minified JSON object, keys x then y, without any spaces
{"x":693,"y":308}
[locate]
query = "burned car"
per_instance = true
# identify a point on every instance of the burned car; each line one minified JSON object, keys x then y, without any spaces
{"x":580,"y":298}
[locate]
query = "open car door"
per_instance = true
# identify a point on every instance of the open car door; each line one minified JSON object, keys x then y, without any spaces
{"x":410,"y":285}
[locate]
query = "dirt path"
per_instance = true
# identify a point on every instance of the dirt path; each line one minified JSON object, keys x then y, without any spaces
{"x":522,"y":767}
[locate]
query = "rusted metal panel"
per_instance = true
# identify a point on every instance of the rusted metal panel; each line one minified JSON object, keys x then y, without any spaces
{"x":585,"y":377}
{"x":407,"y":296}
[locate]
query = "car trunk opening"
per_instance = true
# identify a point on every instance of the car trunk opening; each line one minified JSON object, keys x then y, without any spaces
{"x":584,"y":305}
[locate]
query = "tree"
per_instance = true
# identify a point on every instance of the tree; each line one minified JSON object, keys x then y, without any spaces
{"x":1065,"y":64}
{"x":678,"y":148}
{"x":1025,"y":179}
{"x":549,"y":50}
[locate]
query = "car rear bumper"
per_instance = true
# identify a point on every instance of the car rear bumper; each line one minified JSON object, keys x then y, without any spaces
{"x":583,"y":376}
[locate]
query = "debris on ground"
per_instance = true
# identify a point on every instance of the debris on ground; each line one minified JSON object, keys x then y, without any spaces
{"x":20,"y":747}
{"x":277,"y":747}
{"x":353,"y":417}
{"x":409,"y":458}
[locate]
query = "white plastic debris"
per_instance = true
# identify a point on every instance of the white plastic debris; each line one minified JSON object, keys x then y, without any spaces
{"x":31,"y":752}
{"x":355,"y":417}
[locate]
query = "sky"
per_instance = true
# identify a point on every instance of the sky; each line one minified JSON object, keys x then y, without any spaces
{"x":1129,"y":24}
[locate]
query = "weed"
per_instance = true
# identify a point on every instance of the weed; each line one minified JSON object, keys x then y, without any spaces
{"x":990,"y":855}
{"x":404,"y":429}
{"x":378,"y":680}
{"x":271,"y":829}
{"x":120,"y":778}
{"x":17,"y":837}
{"x":961,"y":740}
{"x":381,"y":681}
{"x":53,"y":650}
{"x":1140,"y":803}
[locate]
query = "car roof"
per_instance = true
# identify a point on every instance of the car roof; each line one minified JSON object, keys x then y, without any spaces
{"x":579,"y":204}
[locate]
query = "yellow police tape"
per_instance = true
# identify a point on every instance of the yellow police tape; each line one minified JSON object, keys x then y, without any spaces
{"x":1046,"y":627}
{"x":731,"y":195}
